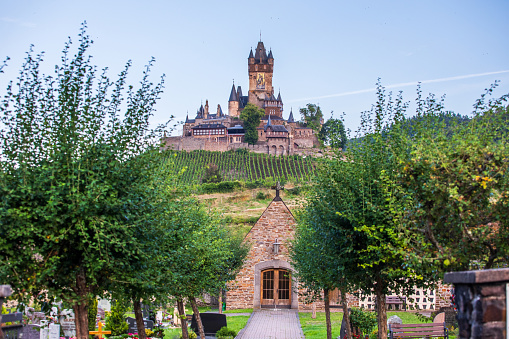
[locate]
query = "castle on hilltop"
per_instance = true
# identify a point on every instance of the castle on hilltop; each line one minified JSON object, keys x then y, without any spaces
{"x":222,"y":132}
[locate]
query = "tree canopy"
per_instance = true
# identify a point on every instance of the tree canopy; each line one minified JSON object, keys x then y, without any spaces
{"x":312,"y":116}
{"x":75,"y":153}
{"x":333,"y":133}
{"x":251,"y":115}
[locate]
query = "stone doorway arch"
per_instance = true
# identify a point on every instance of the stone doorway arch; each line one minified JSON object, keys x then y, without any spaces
{"x":274,"y":264}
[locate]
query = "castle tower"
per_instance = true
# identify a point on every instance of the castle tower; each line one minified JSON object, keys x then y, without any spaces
{"x":233,"y":103}
{"x":260,"y":69}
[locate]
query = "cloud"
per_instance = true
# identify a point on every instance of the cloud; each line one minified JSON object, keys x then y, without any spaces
{"x":403,"y":84}
{"x":18,"y":22}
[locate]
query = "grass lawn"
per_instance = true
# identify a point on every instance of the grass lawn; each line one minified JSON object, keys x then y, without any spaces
{"x":316,"y":328}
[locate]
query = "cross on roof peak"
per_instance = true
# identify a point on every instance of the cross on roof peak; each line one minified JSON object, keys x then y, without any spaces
{"x":278,"y":188}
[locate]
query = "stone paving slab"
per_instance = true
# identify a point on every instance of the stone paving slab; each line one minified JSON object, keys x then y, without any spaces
{"x":272,"y":324}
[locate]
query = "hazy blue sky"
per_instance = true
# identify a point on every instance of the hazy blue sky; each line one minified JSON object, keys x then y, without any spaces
{"x":326,"y":52}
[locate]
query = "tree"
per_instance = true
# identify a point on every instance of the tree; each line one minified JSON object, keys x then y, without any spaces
{"x":197,"y":254}
{"x":354,"y":195}
{"x":312,"y":116}
{"x":320,"y":255}
{"x":455,"y":184}
{"x":73,"y":173}
{"x":251,"y":115}
{"x":212,"y":174}
{"x":333,"y":133}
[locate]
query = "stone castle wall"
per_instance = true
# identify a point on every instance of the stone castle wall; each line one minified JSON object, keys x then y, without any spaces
{"x":300,"y":146}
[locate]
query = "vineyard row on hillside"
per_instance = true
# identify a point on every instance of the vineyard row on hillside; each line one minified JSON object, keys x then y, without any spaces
{"x":242,"y":166}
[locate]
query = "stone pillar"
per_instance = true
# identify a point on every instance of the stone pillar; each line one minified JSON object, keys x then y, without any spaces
{"x":480,"y":297}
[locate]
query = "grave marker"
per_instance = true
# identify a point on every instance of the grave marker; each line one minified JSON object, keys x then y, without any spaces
{"x":54,"y":331}
{"x":99,"y":332}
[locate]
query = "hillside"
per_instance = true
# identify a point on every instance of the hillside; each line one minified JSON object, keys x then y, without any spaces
{"x":243,"y":208}
{"x":243,"y":166}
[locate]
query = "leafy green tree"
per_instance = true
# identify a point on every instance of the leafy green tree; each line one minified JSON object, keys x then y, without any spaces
{"x":333,"y":133}
{"x":454,"y":182}
{"x":196,"y":254}
{"x":212,"y":174}
{"x":312,"y":116}
{"x":319,"y":254}
{"x":353,"y":186}
{"x":251,"y":115}
{"x":73,"y":173}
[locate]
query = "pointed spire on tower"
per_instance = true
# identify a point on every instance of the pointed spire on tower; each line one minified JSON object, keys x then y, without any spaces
{"x":268,"y":121}
{"x":251,"y":53}
{"x":279,"y":97}
{"x":233,"y":94}
{"x":270,"y":54}
{"x":290,"y":118}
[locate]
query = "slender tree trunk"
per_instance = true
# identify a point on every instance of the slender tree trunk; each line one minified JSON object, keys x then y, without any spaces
{"x":140,"y":324}
{"x":80,"y":307}
{"x":183,"y":321}
{"x":220,"y":300}
{"x":380,"y":309}
{"x":313,"y":310}
{"x":327,"y":313}
{"x":197,"y":317}
{"x":346,"y":314}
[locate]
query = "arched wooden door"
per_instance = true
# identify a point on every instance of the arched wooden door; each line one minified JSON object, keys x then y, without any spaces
{"x":276,"y":288}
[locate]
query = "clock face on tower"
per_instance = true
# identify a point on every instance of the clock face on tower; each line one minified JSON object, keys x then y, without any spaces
{"x":260,"y":80}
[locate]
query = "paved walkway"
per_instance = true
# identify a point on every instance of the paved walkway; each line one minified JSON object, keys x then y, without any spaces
{"x":272,"y":324}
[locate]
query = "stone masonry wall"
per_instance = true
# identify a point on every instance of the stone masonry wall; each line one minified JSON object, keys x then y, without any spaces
{"x":276,"y":222}
{"x":480,"y":297}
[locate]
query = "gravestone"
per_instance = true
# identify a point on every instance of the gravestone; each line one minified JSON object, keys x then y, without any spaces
{"x":133,"y":328}
{"x":31,"y":332}
{"x":104,"y":304}
{"x":159,"y":316}
{"x":101,"y":313}
{"x":394,"y":320}
{"x":212,"y":322}
{"x":54,"y":331}
{"x":68,"y":327}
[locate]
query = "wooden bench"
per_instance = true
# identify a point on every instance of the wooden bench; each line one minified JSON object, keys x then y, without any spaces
{"x":396,"y":301}
{"x":432,"y":330}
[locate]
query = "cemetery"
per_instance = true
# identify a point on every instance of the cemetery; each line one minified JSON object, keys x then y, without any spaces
{"x":248,"y":225}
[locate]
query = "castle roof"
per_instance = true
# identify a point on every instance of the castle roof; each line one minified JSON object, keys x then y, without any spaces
{"x":275,"y":128}
{"x":260,"y":54}
{"x":290,"y":118}
{"x":270,"y":55}
{"x":279,"y":97}
{"x":233,"y":94}
{"x":209,"y":126}
{"x":251,"y":53}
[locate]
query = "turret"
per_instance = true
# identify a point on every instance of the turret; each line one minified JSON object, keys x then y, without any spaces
{"x":233,"y":103}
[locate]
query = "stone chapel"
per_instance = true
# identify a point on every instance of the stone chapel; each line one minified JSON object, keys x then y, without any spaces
{"x":267,"y":279}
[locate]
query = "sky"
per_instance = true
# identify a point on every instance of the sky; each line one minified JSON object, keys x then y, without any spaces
{"x":329,"y":53}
